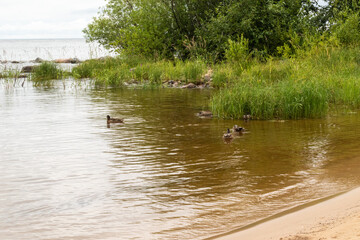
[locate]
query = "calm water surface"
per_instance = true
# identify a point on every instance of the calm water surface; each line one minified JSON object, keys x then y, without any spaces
{"x":164,"y":174}
{"x":49,"y":49}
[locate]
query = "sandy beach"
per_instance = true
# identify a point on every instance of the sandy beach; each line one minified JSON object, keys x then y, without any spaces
{"x":335,"y":218}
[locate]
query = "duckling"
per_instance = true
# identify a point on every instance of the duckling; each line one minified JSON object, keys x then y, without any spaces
{"x":206,"y":114}
{"x":114,"y":120}
{"x":228,"y":135}
{"x":238,"y":129}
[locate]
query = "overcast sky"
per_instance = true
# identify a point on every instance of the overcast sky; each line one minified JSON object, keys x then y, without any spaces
{"x":22,"y":19}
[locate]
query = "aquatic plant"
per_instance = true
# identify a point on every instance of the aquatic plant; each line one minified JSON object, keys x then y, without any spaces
{"x":292,"y":88}
{"x":10,"y":73}
{"x":110,"y":77}
{"x":47,"y":71}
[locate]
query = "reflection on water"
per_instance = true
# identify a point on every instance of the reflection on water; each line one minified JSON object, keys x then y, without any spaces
{"x":164,"y":174}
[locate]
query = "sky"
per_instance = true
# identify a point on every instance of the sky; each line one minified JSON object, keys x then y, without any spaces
{"x":34,"y":19}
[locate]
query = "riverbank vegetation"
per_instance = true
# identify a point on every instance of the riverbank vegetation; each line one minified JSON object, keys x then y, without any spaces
{"x":285,"y":59}
{"x":271,"y":59}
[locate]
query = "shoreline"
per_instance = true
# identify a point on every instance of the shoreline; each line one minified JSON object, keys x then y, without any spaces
{"x":336,"y":216}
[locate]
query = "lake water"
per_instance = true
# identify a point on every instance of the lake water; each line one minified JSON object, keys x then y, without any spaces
{"x":164,"y":174}
{"x":49,"y":49}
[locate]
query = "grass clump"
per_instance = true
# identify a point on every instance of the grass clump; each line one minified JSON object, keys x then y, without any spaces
{"x":10,"y":73}
{"x":193,"y":70}
{"x":110,"y":77}
{"x":47,"y":71}
{"x":304,"y":87}
{"x":140,"y":70}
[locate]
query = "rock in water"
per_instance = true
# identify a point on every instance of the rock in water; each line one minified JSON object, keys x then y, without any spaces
{"x":27,"y":69}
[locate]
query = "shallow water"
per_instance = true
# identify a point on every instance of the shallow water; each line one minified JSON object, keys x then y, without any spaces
{"x":164,"y":174}
{"x":49,"y":49}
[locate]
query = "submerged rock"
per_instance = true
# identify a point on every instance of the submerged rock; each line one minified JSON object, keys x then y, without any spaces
{"x":27,"y":69}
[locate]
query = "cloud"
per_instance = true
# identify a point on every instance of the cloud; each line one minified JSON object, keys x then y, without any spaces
{"x":41,"y":29}
{"x":46,"y":18}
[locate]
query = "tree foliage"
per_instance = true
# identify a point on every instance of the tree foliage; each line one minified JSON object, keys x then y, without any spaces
{"x":197,"y":28}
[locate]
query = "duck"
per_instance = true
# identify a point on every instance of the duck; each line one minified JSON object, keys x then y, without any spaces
{"x":238,"y":129}
{"x":247,"y":117}
{"x":204,"y":114}
{"x":228,"y":135}
{"x":114,"y":120}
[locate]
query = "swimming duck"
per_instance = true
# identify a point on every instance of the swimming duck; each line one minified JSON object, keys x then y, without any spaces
{"x":247,"y":117}
{"x":204,"y":114}
{"x":114,"y":120}
{"x":236,"y":128}
{"x":228,"y":135}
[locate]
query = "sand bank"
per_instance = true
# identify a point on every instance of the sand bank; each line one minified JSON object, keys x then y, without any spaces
{"x":335,"y":218}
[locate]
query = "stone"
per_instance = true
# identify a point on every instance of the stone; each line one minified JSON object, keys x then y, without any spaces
{"x":39,"y":60}
{"x":27,"y":69}
{"x":208,"y":75}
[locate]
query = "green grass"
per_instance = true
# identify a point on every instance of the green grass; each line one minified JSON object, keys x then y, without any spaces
{"x":47,"y":71}
{"x":291,"y":88}
{"x":194,"y":70}
{"x":140,"y":70}
{"x":10,"y":73}
{"x":305,"y":86}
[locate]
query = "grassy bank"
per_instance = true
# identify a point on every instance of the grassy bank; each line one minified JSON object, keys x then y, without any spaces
{"x":304,"y":87}
{"x":115,"y":72}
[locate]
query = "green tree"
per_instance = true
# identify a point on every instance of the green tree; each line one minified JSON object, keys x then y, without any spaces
{"x":265,"y":23}
{"x":148,"y":27}
{"x":187,"y":28}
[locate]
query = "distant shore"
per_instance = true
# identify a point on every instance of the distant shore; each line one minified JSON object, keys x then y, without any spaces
{"x":335,"y":218}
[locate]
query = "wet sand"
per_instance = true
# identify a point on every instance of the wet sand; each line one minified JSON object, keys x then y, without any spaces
{"x":335,"y":218}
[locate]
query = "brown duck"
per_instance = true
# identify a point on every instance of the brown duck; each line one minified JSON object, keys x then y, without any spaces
{"x":206,"y":114}
{"x":238,"y":129}
{"x":228,"y":135}
{"x":113,"y":120}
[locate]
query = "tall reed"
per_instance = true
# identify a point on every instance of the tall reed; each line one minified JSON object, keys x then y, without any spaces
{"x":47,"y":71}
{"x":293,"y":88}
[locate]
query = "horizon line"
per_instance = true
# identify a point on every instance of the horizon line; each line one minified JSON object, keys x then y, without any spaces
{"x":47,"y":38}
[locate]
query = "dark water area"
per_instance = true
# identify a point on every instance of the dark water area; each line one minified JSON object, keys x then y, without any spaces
{"x":165,"y":173}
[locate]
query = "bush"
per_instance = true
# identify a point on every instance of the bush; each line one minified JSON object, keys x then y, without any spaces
{"x":348,"y":31}
{"x":238,"y":51}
